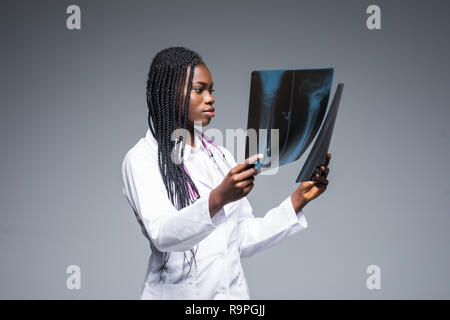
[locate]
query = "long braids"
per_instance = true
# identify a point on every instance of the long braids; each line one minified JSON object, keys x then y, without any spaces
{"x":165,"y":84}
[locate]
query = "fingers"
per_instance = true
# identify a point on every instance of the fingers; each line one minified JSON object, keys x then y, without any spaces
{"x":320,"y":179}
{"x":249,"y":161}
{"x":245,"y":174}
{"x":241,"y":176}
{"x":245,"y":183}
{"x":327,"y":160}
{"x":248,"y":189}
{"x":323,"y":170}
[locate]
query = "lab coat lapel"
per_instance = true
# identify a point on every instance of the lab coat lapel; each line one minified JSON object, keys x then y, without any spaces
{"x":200,"y":178}
{"x":217,"y":178}
{"x":204,"y":176}
{"x":210,"y":169}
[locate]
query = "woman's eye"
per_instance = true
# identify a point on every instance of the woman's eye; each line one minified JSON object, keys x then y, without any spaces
{"x":199,"y":90}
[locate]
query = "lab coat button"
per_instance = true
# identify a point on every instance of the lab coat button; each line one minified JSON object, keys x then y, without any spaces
{"x":223,"y":291}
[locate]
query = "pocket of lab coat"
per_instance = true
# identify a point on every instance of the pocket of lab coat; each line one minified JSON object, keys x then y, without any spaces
{"x":213,"y":244}
{"x":177,"y":267}
{"x":170,"y":291}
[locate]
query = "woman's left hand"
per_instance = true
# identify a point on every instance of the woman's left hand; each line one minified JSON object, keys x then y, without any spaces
{"x":309,"y":190}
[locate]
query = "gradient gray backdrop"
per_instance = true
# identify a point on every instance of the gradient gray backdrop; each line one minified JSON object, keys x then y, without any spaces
{"x":73,"y":103}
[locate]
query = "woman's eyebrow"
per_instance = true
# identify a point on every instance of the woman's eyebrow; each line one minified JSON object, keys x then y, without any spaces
{"x":204,"y":83}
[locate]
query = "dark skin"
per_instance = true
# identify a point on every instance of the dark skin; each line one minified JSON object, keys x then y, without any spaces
{"x":201,"y":101}
{"x":239,"y":181}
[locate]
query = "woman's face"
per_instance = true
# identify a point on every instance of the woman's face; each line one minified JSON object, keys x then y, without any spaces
{"x":201,"y":102}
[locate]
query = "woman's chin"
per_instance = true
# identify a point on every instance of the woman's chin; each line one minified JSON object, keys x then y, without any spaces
{"x":206,"y":121}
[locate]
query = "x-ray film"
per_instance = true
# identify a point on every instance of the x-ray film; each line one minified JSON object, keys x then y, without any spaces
{"x":318,"y":152}
{"x":293,"y":102}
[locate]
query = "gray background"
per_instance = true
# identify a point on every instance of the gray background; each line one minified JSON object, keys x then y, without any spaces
{"x":73,"y":103}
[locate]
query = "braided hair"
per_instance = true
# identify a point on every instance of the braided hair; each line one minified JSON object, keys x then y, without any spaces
{"x":165,"y":84}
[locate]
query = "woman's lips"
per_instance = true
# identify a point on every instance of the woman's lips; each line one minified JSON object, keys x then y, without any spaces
{"x":209,"y":113}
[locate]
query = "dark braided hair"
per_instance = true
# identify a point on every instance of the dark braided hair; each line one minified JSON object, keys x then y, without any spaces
{"x":165,"y":84}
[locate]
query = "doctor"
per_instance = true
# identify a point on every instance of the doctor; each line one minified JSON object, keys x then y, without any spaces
{"x":189,"y":194}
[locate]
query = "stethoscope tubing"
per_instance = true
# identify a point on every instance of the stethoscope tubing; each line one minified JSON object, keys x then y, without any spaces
{"x":192,"y":192}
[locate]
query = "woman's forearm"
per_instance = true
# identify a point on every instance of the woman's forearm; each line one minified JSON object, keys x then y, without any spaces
{"x":215,"y":204}
{"x":298,"y":201}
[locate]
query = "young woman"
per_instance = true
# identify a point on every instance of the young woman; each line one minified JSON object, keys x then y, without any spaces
{"x":189,"y":195}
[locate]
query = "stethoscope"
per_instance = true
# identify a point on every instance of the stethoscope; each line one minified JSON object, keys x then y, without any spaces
{"x":204,"y":143}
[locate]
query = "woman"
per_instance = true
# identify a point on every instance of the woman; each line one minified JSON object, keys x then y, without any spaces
{"x":189,"y":195}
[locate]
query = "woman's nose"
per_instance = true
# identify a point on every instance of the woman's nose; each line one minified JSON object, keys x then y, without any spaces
{"x":209,"y":99}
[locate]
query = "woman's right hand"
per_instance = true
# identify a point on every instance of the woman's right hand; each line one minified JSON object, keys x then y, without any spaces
{"x":236,"y":185}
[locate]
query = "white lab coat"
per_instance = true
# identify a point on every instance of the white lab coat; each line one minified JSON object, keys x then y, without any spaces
{"x":233,"y":233}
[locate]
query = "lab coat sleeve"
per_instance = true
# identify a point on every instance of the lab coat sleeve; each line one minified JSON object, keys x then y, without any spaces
{"x":257,"y":234}
{"x":168,"y":228}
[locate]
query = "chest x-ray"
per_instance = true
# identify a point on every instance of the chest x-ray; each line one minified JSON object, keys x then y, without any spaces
{"x":286,"y":110}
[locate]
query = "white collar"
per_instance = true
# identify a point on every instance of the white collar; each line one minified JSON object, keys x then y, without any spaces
{"x":188,"y":150}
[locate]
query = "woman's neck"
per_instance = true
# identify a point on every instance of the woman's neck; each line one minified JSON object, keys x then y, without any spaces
{"x":192,"y":142}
